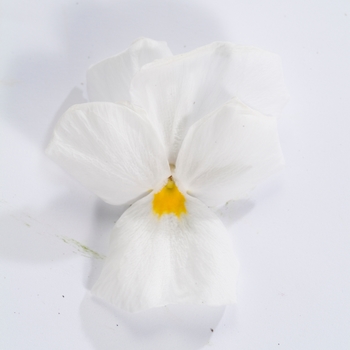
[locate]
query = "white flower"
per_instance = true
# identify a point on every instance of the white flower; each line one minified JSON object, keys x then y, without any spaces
{"x":198,"y":130}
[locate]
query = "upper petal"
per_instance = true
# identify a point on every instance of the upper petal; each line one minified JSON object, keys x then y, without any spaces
{"x":109,"y":80}
{"x":154,"y":261}
{"x":224,"y":155}
{"x":110,"y":149}
{"x":179,"y":90}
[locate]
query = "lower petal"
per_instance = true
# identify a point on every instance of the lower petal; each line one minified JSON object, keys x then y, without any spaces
{"x":157,"y":260}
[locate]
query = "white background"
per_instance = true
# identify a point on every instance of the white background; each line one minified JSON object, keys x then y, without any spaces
{"x":292,"y":236}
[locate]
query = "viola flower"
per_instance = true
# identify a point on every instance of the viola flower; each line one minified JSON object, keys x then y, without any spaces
{"x":175,"y":135}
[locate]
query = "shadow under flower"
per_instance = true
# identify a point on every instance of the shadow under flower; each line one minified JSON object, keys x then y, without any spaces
{"x":233,"y":211}
{"x":170,"y":327}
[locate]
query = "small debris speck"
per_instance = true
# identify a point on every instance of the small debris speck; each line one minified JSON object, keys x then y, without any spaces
{"x":212,"y":330}
{"x":278,"y":343}
{"x":62,"y":296}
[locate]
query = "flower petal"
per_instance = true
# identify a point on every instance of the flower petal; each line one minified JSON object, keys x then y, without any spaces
{"x":154,"y":261}
{"x":110,"y":149}
{"x":224,"y":155}
{"x":179,"y":90}
{"x":109,"y":80}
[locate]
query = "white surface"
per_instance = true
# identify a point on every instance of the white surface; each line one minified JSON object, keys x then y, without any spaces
{"x":292,"y":237}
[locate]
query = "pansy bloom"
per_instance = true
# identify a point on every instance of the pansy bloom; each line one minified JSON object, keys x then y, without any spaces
{"x":176,"y":136}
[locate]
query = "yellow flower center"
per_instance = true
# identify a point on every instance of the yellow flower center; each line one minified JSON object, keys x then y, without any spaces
{"x":169,"y":200}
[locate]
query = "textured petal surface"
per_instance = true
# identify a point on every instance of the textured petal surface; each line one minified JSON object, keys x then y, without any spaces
{"x":110,"y":149}
{"x":179,"y":90}
{"x":110,"y":79}
{"x":156,"y":261}
{"x":226,"y":154}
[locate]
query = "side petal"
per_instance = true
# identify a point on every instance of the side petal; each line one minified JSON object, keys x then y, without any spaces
{"x":179,"y":90}
{"x":110,"y":149}
{"x":226,"y":154}
{"x":154,"y":261}
{"x":109,"y":80}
